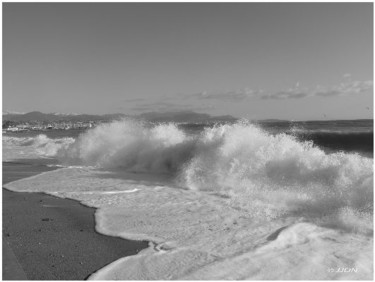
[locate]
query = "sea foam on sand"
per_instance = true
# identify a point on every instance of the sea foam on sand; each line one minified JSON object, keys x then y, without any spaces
{"x":230,"y":203}
{"x":201,"y":236}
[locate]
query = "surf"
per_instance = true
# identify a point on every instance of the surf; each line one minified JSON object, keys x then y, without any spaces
{"x":212,"y":201}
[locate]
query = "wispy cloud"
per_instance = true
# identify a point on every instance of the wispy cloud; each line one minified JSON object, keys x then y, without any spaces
{"x":351,"y":87}
{"x":231,"y":95}
{"x":296,"y":92}
{"x":344,"y":88}
{"x":201,"y":101}
{"x":167,"y":106}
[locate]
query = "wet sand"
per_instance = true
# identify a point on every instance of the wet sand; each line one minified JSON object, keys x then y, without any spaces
{"x":48,"y":238}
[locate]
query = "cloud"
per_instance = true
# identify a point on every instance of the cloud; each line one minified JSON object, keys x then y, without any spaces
{"x":328,"y":93}
{"x":167,"y":106}
{"x":285,"y":95}
{"x":297,"y":92}
{"x":344,"y":88}
{"x":292,"y":93}
{"x":232,"y":95}
{"x":166,"y":103}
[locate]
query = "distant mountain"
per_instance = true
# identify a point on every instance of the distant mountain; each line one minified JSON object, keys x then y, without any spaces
{"x":183,"y":116}
{"x":12,"y":112}
{"x":38,"y":116}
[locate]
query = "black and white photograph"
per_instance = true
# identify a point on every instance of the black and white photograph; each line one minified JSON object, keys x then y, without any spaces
{"x":187,"y":141}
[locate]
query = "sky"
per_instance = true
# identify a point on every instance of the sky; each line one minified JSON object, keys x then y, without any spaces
{"x":297,"y":61}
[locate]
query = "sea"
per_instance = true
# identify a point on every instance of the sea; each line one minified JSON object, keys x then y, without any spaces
{"x":249,"y":200}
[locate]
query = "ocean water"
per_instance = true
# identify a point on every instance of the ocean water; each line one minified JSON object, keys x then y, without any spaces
{"x":273,"y":200}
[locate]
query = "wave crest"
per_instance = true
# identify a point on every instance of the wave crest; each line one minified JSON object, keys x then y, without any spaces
{"x":132,"y":146}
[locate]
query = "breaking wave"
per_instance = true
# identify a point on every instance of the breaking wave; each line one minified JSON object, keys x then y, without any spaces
{"x":40,"y":145}
{"x":240,"y":161}
{"x":132,"y":146}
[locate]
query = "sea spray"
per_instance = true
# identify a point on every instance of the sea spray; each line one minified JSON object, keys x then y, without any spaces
{"x":245,"y":162}
{"x":132,"y":146}
{"x":240,"y":161}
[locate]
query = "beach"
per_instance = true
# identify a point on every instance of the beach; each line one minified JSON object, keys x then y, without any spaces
{"x":49,"y":238}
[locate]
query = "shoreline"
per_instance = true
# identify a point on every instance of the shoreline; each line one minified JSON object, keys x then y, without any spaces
{"x":53,"y":238}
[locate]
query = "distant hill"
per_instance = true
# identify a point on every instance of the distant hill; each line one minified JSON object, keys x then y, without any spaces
{"x":38,"y":116}
{"x":183,"y":116}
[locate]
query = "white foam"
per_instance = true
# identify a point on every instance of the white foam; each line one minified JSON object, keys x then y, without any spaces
{"x":200,"y":235}
{"x":108,"y":192}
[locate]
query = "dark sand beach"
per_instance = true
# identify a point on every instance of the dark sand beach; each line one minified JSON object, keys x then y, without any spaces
{"x":48,"y":238}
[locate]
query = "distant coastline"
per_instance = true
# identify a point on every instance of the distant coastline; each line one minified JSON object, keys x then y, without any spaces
{"x":176,"y":116}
